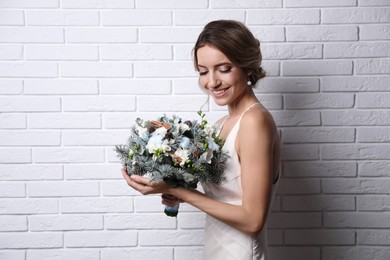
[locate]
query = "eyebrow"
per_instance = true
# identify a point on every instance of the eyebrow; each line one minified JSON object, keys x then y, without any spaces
{"x":216,"y":65}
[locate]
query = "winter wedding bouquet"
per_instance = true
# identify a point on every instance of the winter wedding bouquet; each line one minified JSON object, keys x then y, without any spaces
{"x":180,"y":153}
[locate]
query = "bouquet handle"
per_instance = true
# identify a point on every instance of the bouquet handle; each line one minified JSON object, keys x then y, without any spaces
{"x":172,"y":210}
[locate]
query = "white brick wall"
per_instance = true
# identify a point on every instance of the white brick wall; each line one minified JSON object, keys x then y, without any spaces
{"x":75,"y":74}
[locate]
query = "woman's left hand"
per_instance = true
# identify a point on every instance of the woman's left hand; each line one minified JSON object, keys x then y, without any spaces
{"x":144,"y":185}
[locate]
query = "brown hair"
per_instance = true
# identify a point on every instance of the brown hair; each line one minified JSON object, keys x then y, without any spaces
{"x":236,"y":42}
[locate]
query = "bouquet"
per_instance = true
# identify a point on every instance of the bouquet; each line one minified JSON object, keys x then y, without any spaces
{"x":180,"y":153}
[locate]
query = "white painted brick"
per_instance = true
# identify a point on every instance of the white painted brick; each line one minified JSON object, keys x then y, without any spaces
{"x":272,"y":68}
{"x":135,"y":87}
{"x":360,"y":186}
{"x":29,"y":206}
{"x":65,"y":222}
{"x":68,"y":155}
{"x":188,"y":253}
{"x":63,"y":254}
{"x":373,"y":135}
{"x":294,"y":220}
{"x":139,"y":221}
{"x":356,"y":83}
{"x":374,"y":32}
{"x":280,"y":16}
{"x":10,"y":86}
{"x":62,"y":189}
{"x":268,"y":33}
{"x":169,"y":35}
{"x":356,"y":118}
{"x":317,"y":67}
{"x":245,"y":4}
{"x":318,"y":135}
{"x":317,"y":101}
{"x":17,"y":172}
{"x":272,"y":51}
{"x":136,"y":17}
{"x":61,"y":52}
{"x":12,"y":189}
{"x":98,"y":103}
{"x":295,"y":253}
{"x":373,"y":66}
{"x":321,"y":33}
{"x":187,"y":86}
{"x":33,"y":4}
{"x":172,"y":4}
{"x":373,"y":237}
{"x":274,"y":237}
{"x":356,"y":253}
{"x":357,"y":50}
{"x":28,"y":69}
{"x":98,"y":4}
{"x":167,"y":238}
{"x":357,"y":220}
{"x":67,"y":18}
{"x":373,"y":203}
{"x":319,"y":169}
{"x":299,"y":186}
{"x":296,"y":118}
{"x":30,"y":138}
{"x":300,"y":152}
{"x":319,"y":3}
{"x":96,"y":69}
{"x":96,"y":205}
{"x":374,"y":3}
{"x":15,"y":155}
{"x":355,"y":15}
{"x":100,"y":35}
{"x":164,"y":69}
{"x":288,"y":85}
{"x":170,"y":103}
{"x":320,"y":237}
{"x":31,"y":34}
{"x":117,"y":188}
{"x":271,"y":102}
{"x":93,"y":138}
{"x":183,"y":52}
{"x":29,"y":104}
{"x":160,"y":253}
{"x":202,"y":17}
{"x":11,"y":52}
{"x":318,"y":203}
{"x":64,"y":121}
{"x":60,"y":86}
{"x":192,"y":220}
{"x":372,"y":169}
{"x":12,"y":121}
{"x":93,"y":172}
{"x":355,"y":152}
{"x":12,"y":254}
{"x":148,"y":204}
{"x":14,"y":223}
{"x":100,"y":239}
{"x":30,"y":240}
{"x":136,"y":52}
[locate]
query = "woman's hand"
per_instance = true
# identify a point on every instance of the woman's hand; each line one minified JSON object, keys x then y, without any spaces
{"x":144,"y":185}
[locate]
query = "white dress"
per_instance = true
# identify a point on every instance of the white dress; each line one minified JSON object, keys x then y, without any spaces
{"x":221,"y":241}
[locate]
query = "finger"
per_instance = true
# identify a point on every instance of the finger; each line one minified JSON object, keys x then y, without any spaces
{"x":140,"y":180}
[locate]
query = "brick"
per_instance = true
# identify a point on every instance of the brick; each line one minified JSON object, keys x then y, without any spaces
{"x":294,"y":220}
{"x":64,"y":121}
{"x":245,"y":4}
{"x":355,"y":152}
{"x":28,"y":206}
{"x":372,"y":66}
{"x":30,"y":240}
{"x":192,"y":220}
{"x":356,"y":253}
{"x":34,"y":4}
{"x":17,"y":172}
{"x":101,"y":35}
{"x":202,"y":17}
{"x":94,"y":138}
{"x":61,"y":52}
{"x":96,"y":69}
{"x":66,"y":18}
{"x":168,"y":35}
{"x":117,"y":188}
{"x":65,"y":222}
{"x":188,"y":253}
{"x":139,"y":221}
{"x":136,"y":17}
{"x":316,"y":68}
{"x":100,"y":239}
{"x":288,"y":85}
{"x":63,"y":254}
{"x":148,"y":204}
{"x":171,"y":4}
{"x":355,"y":15}
{"x":187,"y":86}
{"x":272,"y":68}
{"x":320,"y":237}
{"x":316,"y":101}
{"x":30,"y":138}
{"x":97,"y":4}
{"x":318,"y":135}
{"x":274,"y":237}
{"x":12,"y":121}
{"x":357,"y":50}
{"x":12,"y":254}
{"x":62,"y":189}
{"x":357,"y":220}
{"x":15,"y":155}
{"x":175,"y":237}
{"x":135,"y":87}
{"x":358,"y":186}
{"x":291,"y":51}
{"x":183,"y":52}
{"x":14,"y":223}
{"x":268,"y":34}
{"x":11,"y":52}
{"x":271,"y":102}
{"x":12,"y":190}
{"x":31,"y":35}
{"x":160,"y":253}
{"x":372,"y":169}
{"x":355,"y":118}
{"x":280,"y":16}
{"x":93,"y":172}
{"x":164,"y":69}
{"x":96,"y":205}
{"x":60,"y":87}
{"x":300,"y":152}
{"x":320,"y":169}
{"x":321,"y":33}
{"x":136,"y":52}
{"x":356,"y":83}
{"x":373,"y":135}
{"x":98,"y":103}
{"x":373,"y":100}
{"x":373,"y":203}
{"x":170,"y":103}
{"x":373,"y":3}
{"x":374,"y":32}
{"x":29,"y":104}
{"x":10,"y":87}
{"x":319,"y":3}
{"x":318,"y":203}
{"x":28,"y":69}
{"x":296,"y":118}
{"x":294,"y":253}
{"x":64,"y":155}
{"x":298,"y":186}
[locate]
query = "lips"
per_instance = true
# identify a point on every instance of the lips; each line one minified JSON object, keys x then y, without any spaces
{"x":219,"y":92}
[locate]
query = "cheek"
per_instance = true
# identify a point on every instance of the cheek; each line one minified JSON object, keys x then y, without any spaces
{"x":202,"y":83}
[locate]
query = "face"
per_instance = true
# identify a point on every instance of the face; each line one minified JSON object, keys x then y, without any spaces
{"x":218,"y":76}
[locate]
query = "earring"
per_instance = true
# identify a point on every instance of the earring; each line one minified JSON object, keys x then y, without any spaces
{"x":249,"y":82}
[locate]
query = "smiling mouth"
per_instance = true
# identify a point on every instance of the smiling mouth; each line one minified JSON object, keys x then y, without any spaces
{"x":219,"y":92}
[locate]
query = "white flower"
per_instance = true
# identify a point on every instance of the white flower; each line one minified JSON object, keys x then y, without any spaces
{"x":183,"y":155}
{"x":212,"y":145}
{"x":208,"y":129}
{"x":185,"y":142}
{"x":142,"y":132}
{"x":183,"y":127}
{"x":154,"y":143}
{"x":207,"y":156}
{"x":162,"y":131}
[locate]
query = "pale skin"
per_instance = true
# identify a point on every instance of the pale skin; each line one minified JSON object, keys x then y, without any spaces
{"x":257,"y":146}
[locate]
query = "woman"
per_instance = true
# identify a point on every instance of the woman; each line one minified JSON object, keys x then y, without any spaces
{"x":228,"y":59}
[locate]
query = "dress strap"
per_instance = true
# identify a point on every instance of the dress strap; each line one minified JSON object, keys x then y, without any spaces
{"x":248,"y":108}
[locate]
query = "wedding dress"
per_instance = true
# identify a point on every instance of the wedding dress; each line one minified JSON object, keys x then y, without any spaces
{"x":223,"y":242}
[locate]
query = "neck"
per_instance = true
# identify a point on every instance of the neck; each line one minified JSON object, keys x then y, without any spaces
{"x":243,"y":102}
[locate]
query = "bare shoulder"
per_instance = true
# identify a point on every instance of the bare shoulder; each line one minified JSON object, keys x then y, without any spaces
{"x":258,"y":120}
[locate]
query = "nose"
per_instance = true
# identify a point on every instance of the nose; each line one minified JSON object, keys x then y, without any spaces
{"x":213,"y":81}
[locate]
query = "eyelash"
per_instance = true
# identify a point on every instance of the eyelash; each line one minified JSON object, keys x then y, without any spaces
{"x":202,"y":73}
